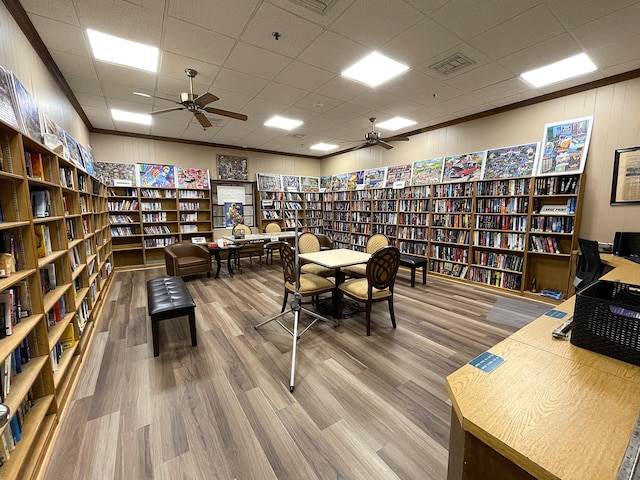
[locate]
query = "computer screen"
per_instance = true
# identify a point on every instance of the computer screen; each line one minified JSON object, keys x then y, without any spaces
{"x":627,"y":244}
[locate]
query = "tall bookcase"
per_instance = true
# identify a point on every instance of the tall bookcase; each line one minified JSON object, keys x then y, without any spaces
{"x":515,"y":234}
{"x":55,"y":266}
{"x":144,"y":220}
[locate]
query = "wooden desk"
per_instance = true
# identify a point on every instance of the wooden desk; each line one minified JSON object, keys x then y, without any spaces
{"x":551,"y":410}
{"x":259,"y":237}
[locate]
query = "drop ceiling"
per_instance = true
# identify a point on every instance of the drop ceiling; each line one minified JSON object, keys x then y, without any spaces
{"x":232,"y":46}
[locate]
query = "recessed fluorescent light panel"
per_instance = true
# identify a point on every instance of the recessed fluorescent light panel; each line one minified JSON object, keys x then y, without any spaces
{"x":131,"y":117}
{"x":395,"y":123}
{"x":325,"y":147}
{"x":284,"y":123}
{"x":562,"y":70}
{"x":374,"y":69}
{"x":123,"y":52}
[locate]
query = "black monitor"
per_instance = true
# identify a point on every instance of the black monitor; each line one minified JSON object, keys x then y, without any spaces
{"x":627,"y":244}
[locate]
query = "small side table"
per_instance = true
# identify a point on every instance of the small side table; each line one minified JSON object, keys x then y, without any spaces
{"x":234,"y":257}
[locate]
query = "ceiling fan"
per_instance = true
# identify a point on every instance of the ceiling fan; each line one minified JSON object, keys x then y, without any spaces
{"x":198,"y":104}
{"x":374,"y":138}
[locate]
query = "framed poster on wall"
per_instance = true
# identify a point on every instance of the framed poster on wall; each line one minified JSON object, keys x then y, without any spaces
{"x":231,"y":167}
{"x":625,"y":188}
{"x":564,"y":146}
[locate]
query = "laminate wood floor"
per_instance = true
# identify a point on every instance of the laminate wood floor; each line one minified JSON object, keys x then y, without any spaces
{"x":363,"y":407}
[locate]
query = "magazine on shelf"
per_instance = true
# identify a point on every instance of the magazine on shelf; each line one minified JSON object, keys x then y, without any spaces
{"x":28,"y":110}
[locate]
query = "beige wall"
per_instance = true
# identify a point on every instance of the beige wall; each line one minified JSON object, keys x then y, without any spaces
{"x":17,"y":55}
{"x":616,"y":124}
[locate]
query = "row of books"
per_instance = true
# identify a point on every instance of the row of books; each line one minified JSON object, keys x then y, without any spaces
{"x":421,"y":219}
{"x":15,"y":304}
{"x":66,"y":177}
{"x":412,"y":233}
{"x":451,"y":254}
{"x":43,"y":240}
{"x":122,"y":231}
{"x":159,"y":242}
{"x":516,"y":186}
{"x":385,"y":206}
{"x":458,"y":270}
{"x":192,"y":193}
{"x":13,"y":365}
{"x":414,"y":205}
{"x":452,"y":220}
{"x":413,"y":248}
{"x":512,"y":241}
{"x":123,"y":205}
{"x":34,"y":165}
{"x":453,"y":190}
{"x":12,"y":433}
{"x":496,"y":278}
{"x":385,"y":218}
{"x":566,"y":185}
{"x":190,"y":206}
{"x":57,"y":313}
{"x":452,"y":205}
{"x":504,"y":261}
{"x":450,"y":236}
{"x":9,"y":254}
{"x":544,"y":244}
{"x":552,"y":224}
{"x":154,"y":193}
{"x":157,"y":229}
{"x":40,"y":203}
{"x":154,"y":217}
{"x":119,"y":219}
{"x":502,"y":222}
{"x":503,"y":205}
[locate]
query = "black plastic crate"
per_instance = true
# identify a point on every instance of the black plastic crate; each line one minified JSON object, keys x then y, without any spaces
{"x":606,"y":320}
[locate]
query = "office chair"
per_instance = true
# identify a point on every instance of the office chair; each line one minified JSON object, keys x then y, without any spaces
{"x":589,"y":267}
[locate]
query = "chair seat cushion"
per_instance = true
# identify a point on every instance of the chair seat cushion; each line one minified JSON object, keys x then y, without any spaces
{"x":310,"y":283}
{"x":315,"y":269}
{"x":186,"y":262}
{"x":359,"y":288}
{"x":358,"y":271}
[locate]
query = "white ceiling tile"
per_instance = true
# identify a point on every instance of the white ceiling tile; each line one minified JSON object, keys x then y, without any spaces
{"x":419,"y":43}
{"x":574,"y":13}
{"x":296,"y":33}
{"x":196,"y":42}
{"x":333,"y":52}
{"x":125,"y":92}
{"x":349,"y":110}
{"x":614,"y":27}
{"x":615,"y":54}
{"x":74,"y":64}
{"x":170,"y":87}
{"x":97,"y":112}
{"x":264,"y":106}
{"x":482,"y":76}
{"x":230,"y":100}
{"x":102,"y":122}
{"x":302,"y":75}
{"x":61,"y":10}
{"x":375,"y":22}
{"x":122,"y":19}
{"x":402,"y":107}
{"x":165,"y":127}
{"x":222,"y":16}
{"x":91,"y":100}
{"x":476,"y":56}
{"x":84,"y":84}
{"x":282,"y":93}
{"x":256,"y":61}
{"x":239,"y":82}
{"x":137,"y":79}
{"x":374,"y":98}
{"x":543,"y":53}
{"x":507,"y":88}
{"x":325,"y":18}
{"x":342,"y":88}
{"x":173,"y":65}
{"x":71,"y":42}
{"x":132,"y":127}
{"x":318,"y":103}
{"x":532,"y":26}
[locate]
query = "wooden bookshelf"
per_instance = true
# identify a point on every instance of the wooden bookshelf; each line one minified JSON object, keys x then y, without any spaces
{"x":53,"y":221}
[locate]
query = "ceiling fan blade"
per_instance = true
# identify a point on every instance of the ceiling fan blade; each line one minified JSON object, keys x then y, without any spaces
{"x":201,"y":117}
{"x":226,"y":113}
{"x":162,"y":98}
{"x":166,"y":110}
{"x":205,"y":98}
{"x":384,"y":144}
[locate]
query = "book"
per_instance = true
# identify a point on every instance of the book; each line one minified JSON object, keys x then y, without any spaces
{"x":43,"y":241}
{"x":40,"y":203}
{"x":37,"y":167}
{"x":6,"y":300}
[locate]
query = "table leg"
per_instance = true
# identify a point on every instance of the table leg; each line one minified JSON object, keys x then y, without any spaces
{"x":216,"y":255}
{"x":230,"y":260}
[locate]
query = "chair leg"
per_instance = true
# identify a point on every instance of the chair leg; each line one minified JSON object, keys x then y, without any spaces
{"x":367,"y":321}
{"x":393,"y":317}
{"x":284,"y":303}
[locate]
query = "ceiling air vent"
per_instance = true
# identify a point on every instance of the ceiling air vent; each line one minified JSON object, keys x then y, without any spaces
{"x":296,"y":135}
{"x":452,"y":64}
{"x":318,"y":6}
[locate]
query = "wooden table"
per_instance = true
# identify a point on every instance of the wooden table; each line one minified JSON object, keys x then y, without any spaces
{"x":233,"y":256}
{"x":551,"y":410}
{"x":336,"y":258}
{"x":259,"y":237}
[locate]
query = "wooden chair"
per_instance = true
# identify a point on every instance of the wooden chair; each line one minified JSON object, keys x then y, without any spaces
{"x":326,"y":242}
{"x":184,"y":259}
{"x":311,"y":285}
{"x":273,"y":245}
{"x":252,"y":248}
{"x":382,"y":269}
{"x":309,"y":243}
{"x":374,"y":243}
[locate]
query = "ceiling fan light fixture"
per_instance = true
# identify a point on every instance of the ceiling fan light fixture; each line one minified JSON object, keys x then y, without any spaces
{"x":112,"y":49}
{"x":325,"y":147}
{"x":374,"y":69}
{"x":131,"y":117}
{"x":284,"y":123}
{"x":396,"y":123}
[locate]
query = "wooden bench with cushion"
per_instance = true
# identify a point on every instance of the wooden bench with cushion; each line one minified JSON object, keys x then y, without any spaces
{"x":168,"y":297}
{"x":413,"y":262}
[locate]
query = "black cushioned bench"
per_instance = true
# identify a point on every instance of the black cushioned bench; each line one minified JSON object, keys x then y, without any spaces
{"x":168,"y":297}
{"x":415,"y":262}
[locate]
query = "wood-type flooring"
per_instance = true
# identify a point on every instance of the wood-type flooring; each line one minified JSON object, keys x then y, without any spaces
{"x":363,"y":407}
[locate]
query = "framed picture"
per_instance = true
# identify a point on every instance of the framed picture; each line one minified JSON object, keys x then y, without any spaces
{"x":564,"y":147}
{"x":625,"y":188}
{"x":232,"y":168}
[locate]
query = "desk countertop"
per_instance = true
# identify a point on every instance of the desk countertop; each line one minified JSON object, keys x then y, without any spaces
{"x":555,"y":410}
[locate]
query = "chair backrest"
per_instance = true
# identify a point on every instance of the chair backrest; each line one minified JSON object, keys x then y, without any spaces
{"x":272,"y":228}
{"x":288,"y":257}
{"x":242,"y":227}
{"x":382,"y":267}
{"x":589,"y":267}
{"x":376,"y":242}
{"x":326,"y":243}
{"x":308,"y":243}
